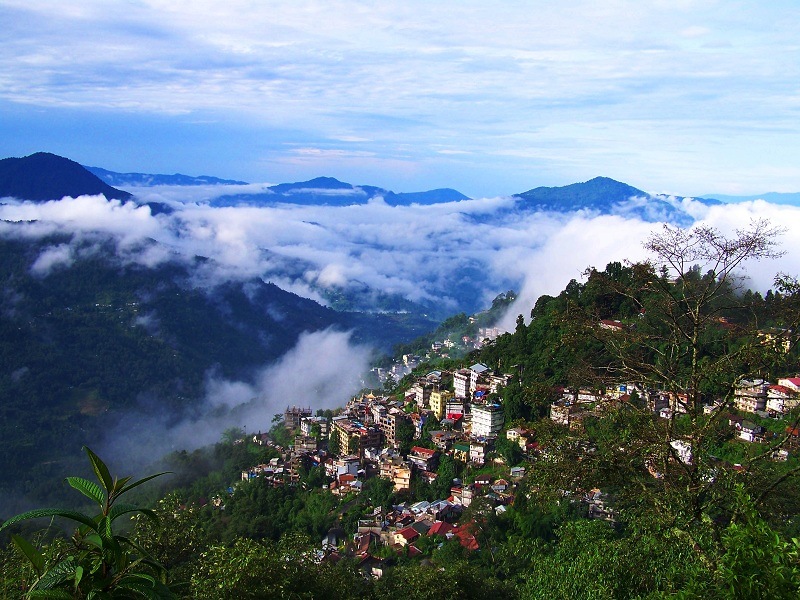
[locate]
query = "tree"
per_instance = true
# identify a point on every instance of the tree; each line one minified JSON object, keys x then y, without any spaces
{"x":404,"y":434}
{"x":100,"y":562}
{"x":679,"y":347}
{"x":334,"y":444}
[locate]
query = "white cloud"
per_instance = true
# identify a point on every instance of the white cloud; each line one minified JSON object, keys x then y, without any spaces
{"x":321,"y":371}
{"x":418,"y":252}
{"x":51,"y":258}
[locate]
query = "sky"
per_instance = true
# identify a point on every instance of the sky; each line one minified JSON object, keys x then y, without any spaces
{"x":682,"y":97}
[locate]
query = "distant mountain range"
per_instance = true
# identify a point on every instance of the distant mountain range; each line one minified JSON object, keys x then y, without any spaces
{"x":327,"y":191}
{"x":44,"y":176}
{"x":147,"y":179}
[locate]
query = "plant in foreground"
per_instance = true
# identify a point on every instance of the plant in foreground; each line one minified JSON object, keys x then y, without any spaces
{"x":99,"y":562}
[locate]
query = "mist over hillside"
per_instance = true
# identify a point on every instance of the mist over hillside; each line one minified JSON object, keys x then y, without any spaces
{"x":244,"y":309}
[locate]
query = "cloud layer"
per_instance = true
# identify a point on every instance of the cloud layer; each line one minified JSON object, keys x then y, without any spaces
{"x":421,"y":253}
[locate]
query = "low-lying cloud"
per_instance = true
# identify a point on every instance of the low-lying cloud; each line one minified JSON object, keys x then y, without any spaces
{"x":321,"y":371}
{"x":416,"y":252}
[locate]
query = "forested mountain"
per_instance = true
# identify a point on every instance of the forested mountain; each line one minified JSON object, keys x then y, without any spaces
{"x":604,"y":506}
{"x":328,"y":191}
{"x":84,"y":343}
{"x":44,"y":176}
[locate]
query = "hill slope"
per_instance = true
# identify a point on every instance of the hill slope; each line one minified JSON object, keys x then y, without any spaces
{"x":44,"y":176}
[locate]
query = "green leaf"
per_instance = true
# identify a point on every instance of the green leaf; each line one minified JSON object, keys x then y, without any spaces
{"x":88,"y":488}
{"x":78,"y":576}
{"x":143,"y":480}
{"x":122,"y":509}
{"x":57,"y":575}
{"x":57,"y":594}
{"x":52,"y":512}
{"x":101,"y":470}
{"x":32,"y":554}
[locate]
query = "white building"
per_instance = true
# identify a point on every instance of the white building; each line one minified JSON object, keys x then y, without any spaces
{"x":487,"y":420}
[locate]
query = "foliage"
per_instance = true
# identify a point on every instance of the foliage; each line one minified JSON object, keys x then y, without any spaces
{"x":287,"y":569}
{"x":99,"y":562}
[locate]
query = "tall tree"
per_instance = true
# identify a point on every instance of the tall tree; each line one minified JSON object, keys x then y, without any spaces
{"x":682,"y":346}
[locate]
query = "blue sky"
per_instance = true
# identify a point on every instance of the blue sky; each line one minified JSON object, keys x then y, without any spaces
{"x":489,"y":98}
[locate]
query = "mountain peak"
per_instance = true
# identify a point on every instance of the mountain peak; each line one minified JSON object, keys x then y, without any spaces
{"x":318,"y":183}
{"x":45,"y":176}
{"x":599,"y":193}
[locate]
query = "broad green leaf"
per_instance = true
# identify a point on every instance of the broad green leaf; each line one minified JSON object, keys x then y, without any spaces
{"x":56,"y":594}
{"x":119,"y":485}
{"x":88,"y":488}
{"x":143,"y":480}
{"x":122,"y":509}
{"x":57,"y":575}
{"x":100,"y":469}
{"x":52,"y":512}
{"x":78,"y":576}
{"x":32,"y":554}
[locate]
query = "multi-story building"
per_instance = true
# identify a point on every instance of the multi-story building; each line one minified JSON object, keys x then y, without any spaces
{"x":422,"y":392}
{"x":423,"y":459}
{"x":309,"y":425}
{"x":751,"y":396}
{"x":355,"y":436}
{"x":397,"y":471}
{"x":387,"y":421}
{"x":292,"y":416}
{"x":461,"y":383}
{"x":487,"y":420}
{"x":438,"y":402}
{"x":781,"y":399}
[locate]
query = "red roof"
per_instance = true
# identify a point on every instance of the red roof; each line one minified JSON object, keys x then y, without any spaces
{"x":440,"y":528}
{"x":409,"y":533}
{"x":782,"y":389}
{"x":466,"y":538}
{"x":423,"y":451}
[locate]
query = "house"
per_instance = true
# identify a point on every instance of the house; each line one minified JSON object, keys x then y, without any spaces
{"x":466,"y":537}
{"x":461,"y":451}
{"x":793,"y":383}
{"x":423,"y":459}
{"x":428,"y":476}
{"x":750,"y":432}
{"x":612,"y":325}
{"x":781,"y":399}
{"x":440,"y":528}
{"x":683,"y":451}
{"x":562,"y":412}
{"x":477,"y":453}
{"x":500,"y":486}
{"x":751,"y":396}
{"x":405,"y":536}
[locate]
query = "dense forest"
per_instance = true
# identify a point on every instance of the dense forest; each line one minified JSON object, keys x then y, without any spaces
{"x":92,"y":338}
{"x":720,"y":521}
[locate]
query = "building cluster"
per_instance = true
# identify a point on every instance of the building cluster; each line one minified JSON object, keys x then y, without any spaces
{"x":457,"y":414}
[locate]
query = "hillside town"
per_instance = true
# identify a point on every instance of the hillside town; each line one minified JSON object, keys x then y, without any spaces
{"x":457,"y":417}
